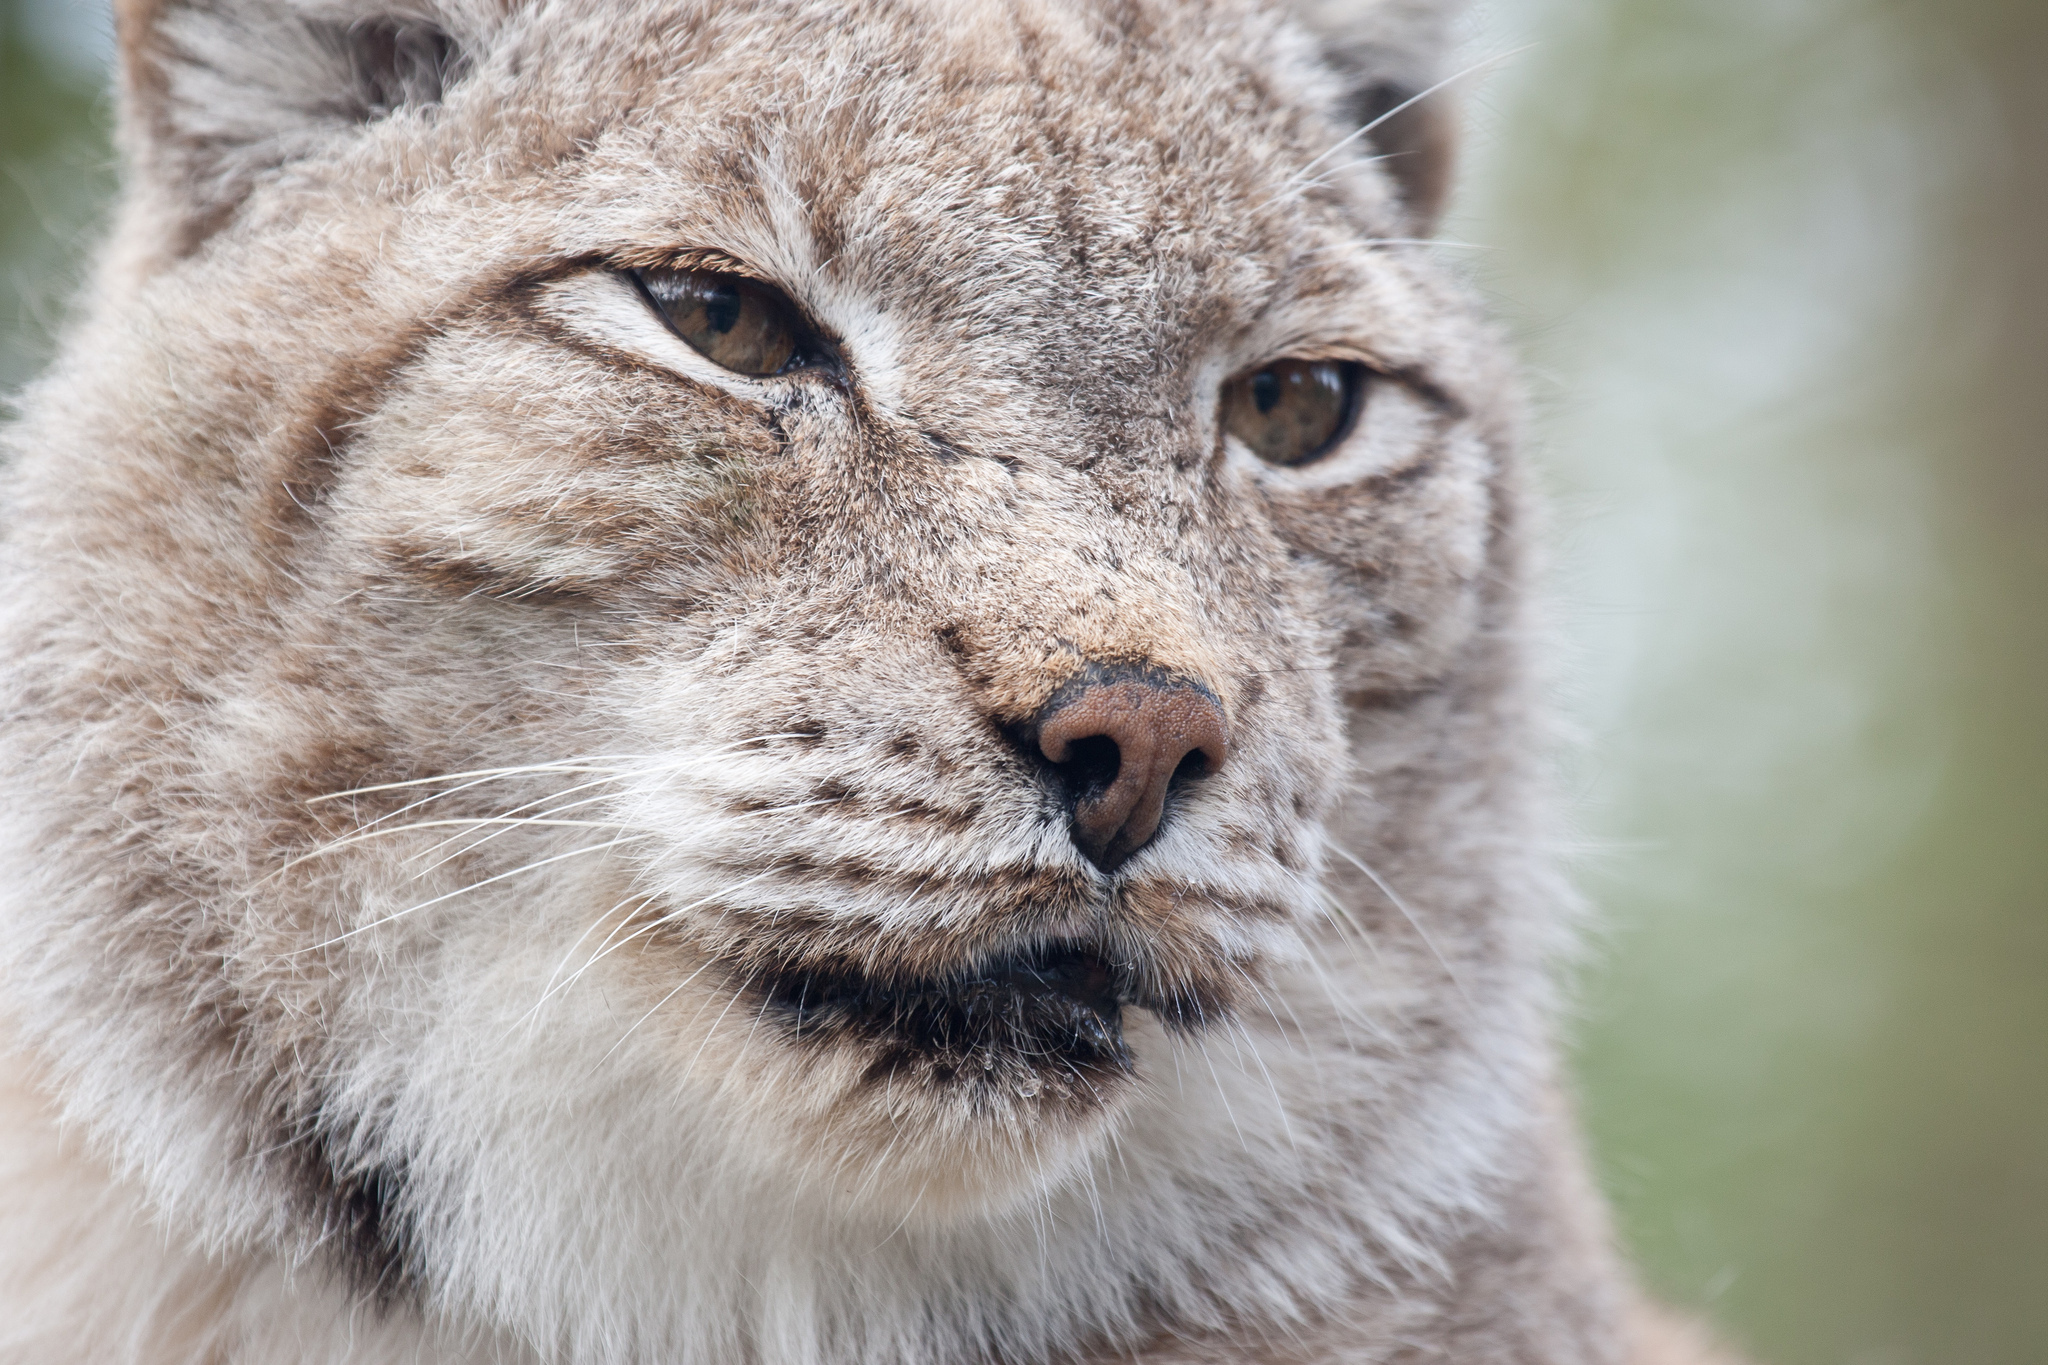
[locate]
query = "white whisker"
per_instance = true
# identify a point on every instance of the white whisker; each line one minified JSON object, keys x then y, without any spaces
{"x":1402,"y":107}
{"x":510,"y":820}
{"x":1222,"y":1093}
{"x":466,"y":822}
{"x":1407,"y":914}
{"x":650,"y":1014}
{"x":464,"y":890}
{"x":709,"y":1033}
{"x":666,"y":917}
{"x":548,"y":990}
{"x":480,"y":774}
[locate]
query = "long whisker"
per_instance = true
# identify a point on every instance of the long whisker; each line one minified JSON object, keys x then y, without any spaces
{"x":411,"y":806}
{"x":904,"y":1221}
{"x":1409,"y":915}
{"x":1345,"y":922}
{"x":611,"y":775}
{"x":591,"y":763}
{"x":738,"y":991}
{"x":480,"y":774}
{"x":607,"y":948}
{"x":589,"y":929}
{"x":650,"y":1014}
{"x":1222,"y":1093}
{"x":1242,"y":1036}
{"x":464,"y":890}
{"x":465,"y":822}
{"x":1407,"y":104}
{"x":511,"y":820}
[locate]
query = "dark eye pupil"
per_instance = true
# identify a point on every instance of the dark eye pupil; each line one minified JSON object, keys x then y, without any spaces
{"x":722,"y":307}
{"x":1266,"y":391}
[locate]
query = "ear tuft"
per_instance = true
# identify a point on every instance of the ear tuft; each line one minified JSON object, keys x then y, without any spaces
{"x":1389,"y":53}
{"x":220,"y":93}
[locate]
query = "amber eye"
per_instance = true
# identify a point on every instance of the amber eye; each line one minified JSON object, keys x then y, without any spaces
{"x":733,"y":321}
{"x":1293,"y":411}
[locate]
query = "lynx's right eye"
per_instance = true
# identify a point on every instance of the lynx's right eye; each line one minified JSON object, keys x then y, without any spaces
{"x":1294,"y":412}
{"x":733,"y":321}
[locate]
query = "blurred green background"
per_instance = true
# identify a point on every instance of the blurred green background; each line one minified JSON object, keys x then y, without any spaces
{"x":1780,"y":270}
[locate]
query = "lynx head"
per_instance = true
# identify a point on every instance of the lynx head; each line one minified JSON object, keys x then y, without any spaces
{"x":628,"y":610}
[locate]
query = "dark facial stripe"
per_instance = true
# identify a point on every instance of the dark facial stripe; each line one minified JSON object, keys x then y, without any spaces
{"x":313,"y":458}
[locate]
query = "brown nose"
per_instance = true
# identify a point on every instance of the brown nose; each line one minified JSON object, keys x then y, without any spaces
{"x":1119,"y":737}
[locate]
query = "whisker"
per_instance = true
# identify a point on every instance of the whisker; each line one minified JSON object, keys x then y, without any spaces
{"x":709,"y":1033}
{"x":481,"y":774}
{"x":650,"y":1014}
{"x":905,"y":1219}
{"x":589,"y":929}
{"x":511,"y":820}
{"x":1340,"y":1006}
{"x":1409,"y":915}
{"x":1251,"y":1044}
{"x":1222,"y":1093}
{"x":590,"y":763}
{"x":464,"y":890}
{"x":666,"y":917}
{"x":1402,"y":107}
{"x":1342,"y":919}
{"x":432,"y":797}
{"x":467,"y":822}
{"x":611,"y":943}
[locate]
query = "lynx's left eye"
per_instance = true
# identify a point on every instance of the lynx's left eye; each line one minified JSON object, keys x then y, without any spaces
{"x":733,"y":321}
{"x":1294,"y":412}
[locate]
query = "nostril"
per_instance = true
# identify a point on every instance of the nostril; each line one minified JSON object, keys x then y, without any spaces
{"x":1089,"y":768}
{"x":1120,"y":739}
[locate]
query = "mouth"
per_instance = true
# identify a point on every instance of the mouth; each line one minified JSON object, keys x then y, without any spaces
{"x":1044,"y":1021}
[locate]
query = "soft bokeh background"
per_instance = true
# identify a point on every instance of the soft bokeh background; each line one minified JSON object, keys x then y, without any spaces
{"x":1780,"y":268}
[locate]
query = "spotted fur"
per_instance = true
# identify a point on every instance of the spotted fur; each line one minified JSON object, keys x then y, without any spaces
{"x":523,"y":845}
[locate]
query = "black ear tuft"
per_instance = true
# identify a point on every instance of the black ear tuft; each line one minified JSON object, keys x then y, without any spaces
{"x":397,"y":63}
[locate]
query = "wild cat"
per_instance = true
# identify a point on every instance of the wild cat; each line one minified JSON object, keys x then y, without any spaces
{"x":781,"y":682}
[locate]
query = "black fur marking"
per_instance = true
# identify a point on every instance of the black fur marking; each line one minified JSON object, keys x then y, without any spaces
{"x":359,"y":1209}
{"x":1060,"y":1006}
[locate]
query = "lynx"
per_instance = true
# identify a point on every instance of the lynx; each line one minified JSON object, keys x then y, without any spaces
{"x":790,"y":682}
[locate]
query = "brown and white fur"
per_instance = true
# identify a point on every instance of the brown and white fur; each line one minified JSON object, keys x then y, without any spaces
{"x":447,"y":717}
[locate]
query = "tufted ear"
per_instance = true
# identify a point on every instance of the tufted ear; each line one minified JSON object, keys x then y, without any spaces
{"x":219,"y":93}
{"x":1390,"y":52}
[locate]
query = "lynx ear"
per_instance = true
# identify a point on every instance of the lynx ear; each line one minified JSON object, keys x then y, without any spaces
{"x":1390,"y":52}
{"x":219,"y":93}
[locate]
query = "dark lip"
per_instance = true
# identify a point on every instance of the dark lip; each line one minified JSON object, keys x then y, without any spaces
{"x":1056,"y":1005}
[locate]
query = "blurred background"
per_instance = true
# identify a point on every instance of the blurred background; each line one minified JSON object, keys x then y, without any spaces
{"x":1780,"y":272}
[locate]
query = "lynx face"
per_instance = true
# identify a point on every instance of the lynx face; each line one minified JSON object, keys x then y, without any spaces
{"x":745,"y":594}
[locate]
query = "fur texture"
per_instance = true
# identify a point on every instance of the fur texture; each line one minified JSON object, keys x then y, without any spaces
{"x":518,"y":847}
